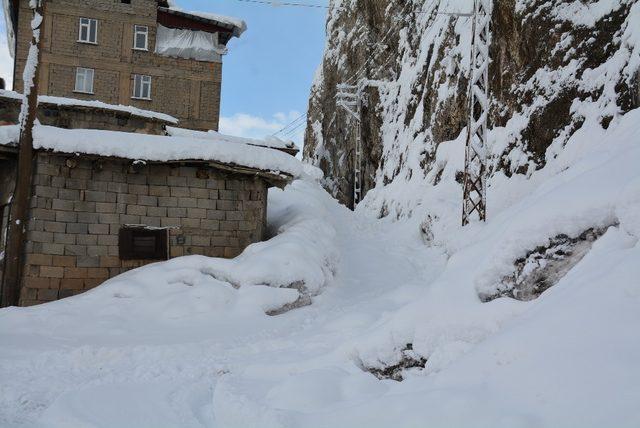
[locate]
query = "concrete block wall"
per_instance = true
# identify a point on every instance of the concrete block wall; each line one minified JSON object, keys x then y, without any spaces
{"x":76,"y":215}
{"x":186,"y":89}
{"x":78,"y":117}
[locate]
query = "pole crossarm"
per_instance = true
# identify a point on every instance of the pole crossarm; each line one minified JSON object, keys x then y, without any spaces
{"x":474,"y":194}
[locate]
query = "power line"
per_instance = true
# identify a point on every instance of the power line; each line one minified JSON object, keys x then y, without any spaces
{"x":276,"y":3}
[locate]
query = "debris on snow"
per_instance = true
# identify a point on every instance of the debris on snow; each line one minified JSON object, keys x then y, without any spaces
{"x":407,"y":359}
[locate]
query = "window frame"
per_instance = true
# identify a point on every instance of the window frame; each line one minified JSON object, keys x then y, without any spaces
{"x":135,"y":37}
{"x":126,"y":243}
{"x":93,"y":75}
{"x":82,"y":25}
{"x":142,"y":78}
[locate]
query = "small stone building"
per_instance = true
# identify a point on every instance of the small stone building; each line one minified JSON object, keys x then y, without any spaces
{"x":104,"y":202}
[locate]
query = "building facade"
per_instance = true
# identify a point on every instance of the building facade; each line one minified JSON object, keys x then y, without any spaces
{"x":94,"y":217}
{"x":131,"y":52}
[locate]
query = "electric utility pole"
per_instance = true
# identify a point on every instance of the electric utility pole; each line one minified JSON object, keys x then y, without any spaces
{"x":475,"y":165}
{"x":349,"y":98}
{"x":18,"y":217}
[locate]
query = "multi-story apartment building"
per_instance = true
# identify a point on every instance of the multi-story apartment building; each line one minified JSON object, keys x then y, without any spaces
{"x":132,"y":52}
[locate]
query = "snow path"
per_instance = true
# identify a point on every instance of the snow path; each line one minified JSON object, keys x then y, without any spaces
{"x":175,"y":345}
{"x":66,"y":378}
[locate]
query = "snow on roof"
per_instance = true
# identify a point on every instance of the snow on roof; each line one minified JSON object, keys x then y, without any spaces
{"x":271,"y":142}
{"x":156,"y":148}
{"x":45,"y":99}
{"x":239,"y":25}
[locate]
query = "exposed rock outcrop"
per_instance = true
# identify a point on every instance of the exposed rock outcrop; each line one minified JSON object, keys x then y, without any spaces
{"x":554,"y":65}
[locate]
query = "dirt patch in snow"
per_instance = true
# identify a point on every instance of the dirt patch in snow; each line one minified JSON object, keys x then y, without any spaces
{"x":542,"y":267}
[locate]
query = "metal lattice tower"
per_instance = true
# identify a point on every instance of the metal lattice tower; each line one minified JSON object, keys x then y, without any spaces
{"x":349,"y":98}
{"x":475,"y":167}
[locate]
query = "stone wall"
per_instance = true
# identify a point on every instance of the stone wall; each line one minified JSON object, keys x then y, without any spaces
{"x":186,"y":89}
{"x":77,"y":214}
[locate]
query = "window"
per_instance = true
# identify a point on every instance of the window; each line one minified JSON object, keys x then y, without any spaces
{"x":84,"y":80}
{"x":141,"y":243}
{"x":141,"y":87}
{"x":88,"y":32}
{"x":140,"y":37}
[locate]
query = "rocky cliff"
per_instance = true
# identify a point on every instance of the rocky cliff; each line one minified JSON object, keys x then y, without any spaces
{"x":555,"y":65}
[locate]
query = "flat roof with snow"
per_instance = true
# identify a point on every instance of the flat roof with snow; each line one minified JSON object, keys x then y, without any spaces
{"x":241,"y":157}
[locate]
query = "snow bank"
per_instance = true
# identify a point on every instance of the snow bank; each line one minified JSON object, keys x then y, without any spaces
{"x":156,"y":148}
{"x":188,"y":44}
{"x":270,"y":141}
{"x":239,"y":25}
{"x":46,"y":99}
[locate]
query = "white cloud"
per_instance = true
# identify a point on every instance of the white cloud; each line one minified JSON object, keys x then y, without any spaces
{"x":249,"y":126}
{"x":6,"y":62}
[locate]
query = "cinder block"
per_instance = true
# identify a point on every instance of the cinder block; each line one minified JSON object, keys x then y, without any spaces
{"x":120,"y":188}
{"x":62,"y":205}
{"x":53,"y":249}
{"x":87,"y":239}
{"x":69,"y":195}
{"x":187,"y":202}
{"x":148,"y":201}
{"x":43,"y":237}
{"x":66,"y":216}
{"x":74,"y":250}
{"x":36,"y":282}
{"x":88,"y":261}
{"x":157,"y":212}
{"x":71,"y":284}
{"x":54,"y":226}
{"x":191,"y":222}
{"x":129,"y":219}
{"x":46,"y":191}
{"x":39,"y":259}
{"x":170,"y":222}
{"x":47,"y":295}
{"x":125,"y":198}
{"x":98,"y":229}
{"x":136,"y":210}
{"x":98,"y":250}
{"x":177,"y":181}
{"x":138,"y":189}
{"x":64,"y":261}
{"x":75,"y":273}
{"x":228,"y":225}
{"x":210,"y":224}
{"x":94,"y":196}
{"x":105,"y":207}
{"x":51,"y":271}
{"x":64,"y":238}
{"x":216,"y":215}
{"x":107,"y":240}
{"x":229,"y":195}
{"x":109,"y":218}
{"x":168,"y":202}
{"x":180,"y":192}
{"x":109,"y":262}
{"x":88,"y":218}
{"x":79,"y":228}
{"x":196,"y":213}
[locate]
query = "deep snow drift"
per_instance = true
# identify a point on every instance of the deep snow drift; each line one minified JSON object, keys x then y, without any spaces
{"x":187,"y":343}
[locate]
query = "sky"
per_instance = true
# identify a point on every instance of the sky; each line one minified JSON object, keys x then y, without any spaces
{"x":267,"y":73}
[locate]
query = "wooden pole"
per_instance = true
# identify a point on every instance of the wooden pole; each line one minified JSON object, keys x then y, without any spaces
{"x":18,"y":219}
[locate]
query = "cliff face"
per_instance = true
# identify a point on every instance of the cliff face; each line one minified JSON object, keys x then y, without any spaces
{"x":555,"y":65}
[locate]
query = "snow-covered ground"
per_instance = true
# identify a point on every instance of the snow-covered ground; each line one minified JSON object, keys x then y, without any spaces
{"x":187,"y":343}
